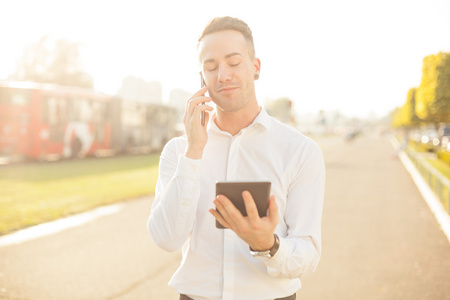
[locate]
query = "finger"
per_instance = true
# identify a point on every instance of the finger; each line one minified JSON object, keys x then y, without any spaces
{"x":199,"y":93}
{"x":250,"y":207}
{"x":203,"y":90}
{"x":229,"y":212}
{"x":219,"y":218}
{"x":273,"y":210}
{"x":195,"y":102}
{"x":199,"y":109}
{"x":220,"y":207}
{"x":221,"y":214}
{"x":207,"y":117}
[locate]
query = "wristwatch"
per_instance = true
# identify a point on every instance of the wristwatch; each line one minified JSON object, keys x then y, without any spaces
{"x":268,"y":253}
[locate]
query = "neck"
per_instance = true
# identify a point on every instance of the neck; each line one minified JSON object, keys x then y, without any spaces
{"x":234,"y":122}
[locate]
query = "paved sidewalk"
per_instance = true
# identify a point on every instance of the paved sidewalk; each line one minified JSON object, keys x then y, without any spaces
{"x":109,"y":258}
{"x":380,"y":241}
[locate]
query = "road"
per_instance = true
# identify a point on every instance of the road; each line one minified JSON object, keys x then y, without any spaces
{"x":380,"y":241}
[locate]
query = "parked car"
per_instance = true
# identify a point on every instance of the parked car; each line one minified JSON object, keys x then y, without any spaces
{"x":429,"y":139}
{"x":444,"y":137}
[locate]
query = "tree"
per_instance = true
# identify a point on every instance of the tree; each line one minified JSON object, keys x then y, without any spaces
{"x":405,"y":116}
{"x":433,"y":94}
{"x":409,"y":116}
{"x":58,"y":62}
{"x":395,"y":116}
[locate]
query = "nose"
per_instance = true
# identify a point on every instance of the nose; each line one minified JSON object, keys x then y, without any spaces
{"x":224,"y":73}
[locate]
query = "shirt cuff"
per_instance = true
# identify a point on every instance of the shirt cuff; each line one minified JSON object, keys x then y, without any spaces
{"x":274,"y":263}
{"x":188,"y":168}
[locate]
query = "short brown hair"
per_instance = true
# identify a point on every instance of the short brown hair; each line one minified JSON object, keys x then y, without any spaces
{"x":230,"y":23}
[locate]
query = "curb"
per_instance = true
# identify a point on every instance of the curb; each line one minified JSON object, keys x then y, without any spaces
{"x":58,"y":225}
{"x":436,"y":207}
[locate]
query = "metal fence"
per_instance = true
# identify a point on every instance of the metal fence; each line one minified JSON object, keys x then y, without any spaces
{"x":437,"y":182}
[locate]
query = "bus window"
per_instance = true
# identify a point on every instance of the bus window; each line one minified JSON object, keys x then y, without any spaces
{"x":98,"y":112}
{"x":15,"y":96}
{"x":83,"y":110}
{"x":19,"y":99}
{"x":44,"y":111}
{"x":98,"y":119}
{"x":54,"y":114}
{"x":3,"y":95}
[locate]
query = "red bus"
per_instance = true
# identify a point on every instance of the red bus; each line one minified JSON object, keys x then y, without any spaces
{"x":47,"y":122}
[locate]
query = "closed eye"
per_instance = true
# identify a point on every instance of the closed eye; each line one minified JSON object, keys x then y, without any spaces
{"x":210,"y":66}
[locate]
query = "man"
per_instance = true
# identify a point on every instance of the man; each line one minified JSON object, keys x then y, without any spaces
{"x":254,"y":258}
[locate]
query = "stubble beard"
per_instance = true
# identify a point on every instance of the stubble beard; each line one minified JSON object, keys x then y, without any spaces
{"x":233,"y":103}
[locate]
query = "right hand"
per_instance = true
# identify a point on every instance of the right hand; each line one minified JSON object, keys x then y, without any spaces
{"x":196,"y":133}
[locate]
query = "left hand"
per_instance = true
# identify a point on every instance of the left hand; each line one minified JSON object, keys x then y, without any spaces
{"x":257,"y":232}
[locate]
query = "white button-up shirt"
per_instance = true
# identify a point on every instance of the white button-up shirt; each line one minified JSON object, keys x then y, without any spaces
{"x":216,"y":263}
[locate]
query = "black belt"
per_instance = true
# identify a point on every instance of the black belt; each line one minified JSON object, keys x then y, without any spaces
{"x":291,"y":297}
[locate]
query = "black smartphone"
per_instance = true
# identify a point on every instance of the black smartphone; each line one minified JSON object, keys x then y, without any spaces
{"x":260,"y":191}
{"x":203,"y":112}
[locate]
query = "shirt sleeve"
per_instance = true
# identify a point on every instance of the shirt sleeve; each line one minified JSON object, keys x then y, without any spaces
{"x":300,"y":246}
{"x":176,"y":197}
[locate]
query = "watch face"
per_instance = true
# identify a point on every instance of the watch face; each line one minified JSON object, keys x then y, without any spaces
{"x":268,"y":253}
{"x":261,"y":253}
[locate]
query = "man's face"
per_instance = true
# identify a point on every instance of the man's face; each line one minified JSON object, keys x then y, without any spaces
{"x":228,"y":69}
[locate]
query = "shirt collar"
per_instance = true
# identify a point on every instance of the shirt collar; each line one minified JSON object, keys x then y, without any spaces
{"x":262,"y":118}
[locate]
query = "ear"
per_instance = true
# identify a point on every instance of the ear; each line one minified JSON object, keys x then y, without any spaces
{"x":257,"y":66}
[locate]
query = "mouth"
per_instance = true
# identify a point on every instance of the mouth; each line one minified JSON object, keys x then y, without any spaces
{"x":227,"y":89}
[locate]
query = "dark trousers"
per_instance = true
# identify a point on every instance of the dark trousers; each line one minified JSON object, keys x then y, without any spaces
{"x":291,"y":297}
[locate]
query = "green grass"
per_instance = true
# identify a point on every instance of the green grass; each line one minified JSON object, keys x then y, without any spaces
{"x":439,"y":164}
{"x":34,"y":193}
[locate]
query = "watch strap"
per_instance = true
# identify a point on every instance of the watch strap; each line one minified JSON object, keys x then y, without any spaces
{"x":276,"y":246}
{"x":268,"y":253}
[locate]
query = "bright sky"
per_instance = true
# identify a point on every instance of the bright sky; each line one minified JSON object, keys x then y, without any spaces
{"x":354,"y":56}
